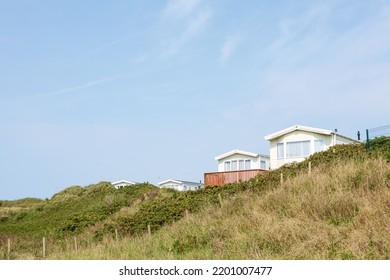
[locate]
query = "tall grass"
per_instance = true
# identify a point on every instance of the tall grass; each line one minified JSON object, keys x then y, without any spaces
{"x":340,"y":211}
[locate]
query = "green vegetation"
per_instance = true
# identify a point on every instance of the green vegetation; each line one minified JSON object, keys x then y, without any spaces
{"x":21,"y":203}
{"x":71,"y":210}
{"x":339,"y":211}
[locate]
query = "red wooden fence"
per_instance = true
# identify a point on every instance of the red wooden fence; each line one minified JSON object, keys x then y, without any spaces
{"x":222,"y":178}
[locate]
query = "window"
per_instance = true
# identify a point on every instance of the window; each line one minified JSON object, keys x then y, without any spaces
{"x":247,"y":164}
{"x":298,"y":149}
{"x":319,"y":145}
{"x":227,"y":165}
{"x":234,"y":165}
{"x":238,"y":164}
{"x":241,"y":163}
{"x":262,"y":164}
{"x":280,"y":147}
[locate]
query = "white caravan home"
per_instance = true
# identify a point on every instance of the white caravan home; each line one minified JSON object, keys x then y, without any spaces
{"x":180,"y":185}
{"x":240,"y":160}
{"x":122,"y":183}
{"x":297,"y":142}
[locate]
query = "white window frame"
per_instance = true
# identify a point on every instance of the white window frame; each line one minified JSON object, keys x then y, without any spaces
{"x":280,"y":150}
{"x":319,"y":145}
{"x":248,"y":164}
{"x":239,"y":163}
{"x":300,"y":149}
{"x":227,"y":163}
{"x":234,"y":163}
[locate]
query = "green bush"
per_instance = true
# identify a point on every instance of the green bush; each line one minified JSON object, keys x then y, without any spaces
{"x":381,"y":145}
{"x":68,"y":193}
{"x":102,"y":187}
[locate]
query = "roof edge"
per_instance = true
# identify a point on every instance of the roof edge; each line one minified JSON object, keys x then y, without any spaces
{"x":282,"y":132}
{"x":169,"y":180}
{"x":232,"y":152}
{"x":124,"y":181}
{"x":179,"y":182}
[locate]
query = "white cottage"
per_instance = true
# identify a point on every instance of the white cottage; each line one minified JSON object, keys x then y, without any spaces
{"x":240,"y":160}
{"x":297,"y":142}
{"x":123,"y":183}
{"x":180,"y":185}
{"x":237,"y":166}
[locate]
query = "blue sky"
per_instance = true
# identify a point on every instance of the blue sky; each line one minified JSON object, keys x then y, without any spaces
{"x":149,"y":90}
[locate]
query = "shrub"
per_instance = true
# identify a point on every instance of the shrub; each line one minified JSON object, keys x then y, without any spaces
{"x":69,"y":193}
{"x":102,"y":187}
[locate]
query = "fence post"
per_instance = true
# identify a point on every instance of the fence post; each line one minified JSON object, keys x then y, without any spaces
{"x":44,"y":247}
{"x":187,"y":214}
{"x":368,"y":140}
{"x":309,"y":168}
{"x":220,"y":199}
{"x":281,"y":179}
{"x":9,"y":248}
{"x":75,"y":244}
{"x":149,"y":231}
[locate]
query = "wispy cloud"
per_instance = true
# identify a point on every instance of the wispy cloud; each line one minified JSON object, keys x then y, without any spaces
{"x":311,"y":22}
{"x":228,"y":48}
{"x":195,"y":26}
{"x":328,"y":67}
{"x":86,"y":85}
{"x":177,"y":9}
{"x":108,"y":45}
{"x":115,"y":77}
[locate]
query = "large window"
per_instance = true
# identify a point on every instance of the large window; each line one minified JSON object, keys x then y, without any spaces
{"x":319,"y":145}
{"x":280,"y":147}
{"x":241,"y":164}
{"x":234,"y":165}
{"x":227,"y":165}
{"x":238,"y":164}
{"x":262,"y":164}
{"x":247,"y":164}
{"x":298,"y":149}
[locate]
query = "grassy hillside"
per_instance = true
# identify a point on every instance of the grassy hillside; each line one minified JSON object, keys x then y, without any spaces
{"x":9,"y":207}
{"x":72,"y":210}
{"x":339,"y":211}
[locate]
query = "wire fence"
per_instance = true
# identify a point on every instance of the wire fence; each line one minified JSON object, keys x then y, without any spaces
{"x":376,"y":132}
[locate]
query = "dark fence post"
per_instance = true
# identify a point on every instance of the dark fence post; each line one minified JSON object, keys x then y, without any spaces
{"x":368,"y":140}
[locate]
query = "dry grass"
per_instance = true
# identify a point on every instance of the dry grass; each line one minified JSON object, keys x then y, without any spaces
{"x":341,"y":212}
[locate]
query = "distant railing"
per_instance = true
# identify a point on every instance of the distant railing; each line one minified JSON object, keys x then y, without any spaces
{"x":372,"y":133}
{"x":227,"y":177}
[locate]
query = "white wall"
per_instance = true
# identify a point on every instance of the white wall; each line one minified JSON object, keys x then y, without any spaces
{"x":183,"y":186}
{"x":121,"y":185}
{"x":267,"y":162}
{"x":343,"y":140}
{"x":170,"y":185}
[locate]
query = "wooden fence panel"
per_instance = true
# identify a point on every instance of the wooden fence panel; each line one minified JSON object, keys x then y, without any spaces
{"x":222,"y":178}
